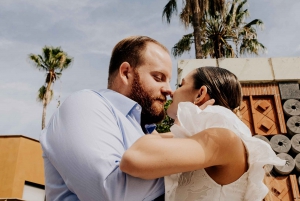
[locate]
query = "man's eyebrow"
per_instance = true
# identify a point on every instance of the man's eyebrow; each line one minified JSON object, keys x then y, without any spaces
{"x":158,"y":72}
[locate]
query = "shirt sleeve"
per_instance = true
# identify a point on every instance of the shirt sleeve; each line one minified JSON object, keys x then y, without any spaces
{"x":84,"y":145}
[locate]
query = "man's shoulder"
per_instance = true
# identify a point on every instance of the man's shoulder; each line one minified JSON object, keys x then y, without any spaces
{"x":83,"y":92}
{"x":86,"y":98}
{"x":86,"y":94}
{"x":105,"y":94}
{"x":111,"y":100}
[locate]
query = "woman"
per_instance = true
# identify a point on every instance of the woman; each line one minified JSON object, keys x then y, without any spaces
{"x":212,"y":155}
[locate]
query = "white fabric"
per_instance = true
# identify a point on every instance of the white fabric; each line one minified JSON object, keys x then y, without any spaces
{"x":198,"y":185}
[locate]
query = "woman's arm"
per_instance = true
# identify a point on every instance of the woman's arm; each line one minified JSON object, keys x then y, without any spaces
{"x":163,"y":135}
{"x":152,"y":156}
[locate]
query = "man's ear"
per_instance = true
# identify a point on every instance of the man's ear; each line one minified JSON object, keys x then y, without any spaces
{"x":202,"y":96}
{"x":125,"y":73}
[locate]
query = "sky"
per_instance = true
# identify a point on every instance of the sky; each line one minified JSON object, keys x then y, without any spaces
{"x":88,"y":30}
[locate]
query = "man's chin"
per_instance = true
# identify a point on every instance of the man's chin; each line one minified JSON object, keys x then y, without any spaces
{"x":160,"y":118}
{"x":159,"y":105}
{"x":154,"y":119}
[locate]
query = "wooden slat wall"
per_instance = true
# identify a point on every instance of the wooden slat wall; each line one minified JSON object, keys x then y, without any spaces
{"x":260,"y":89}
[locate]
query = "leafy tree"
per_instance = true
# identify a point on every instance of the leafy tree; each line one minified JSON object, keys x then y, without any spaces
{"x":192,"y":14}
{"x":165,"y":125}
{"x":53,"y":61}
{"x":222,"y":32}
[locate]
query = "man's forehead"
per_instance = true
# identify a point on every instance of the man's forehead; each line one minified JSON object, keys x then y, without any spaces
{"x":156,"y":59}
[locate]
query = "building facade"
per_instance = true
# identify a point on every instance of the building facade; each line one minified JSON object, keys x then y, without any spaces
{"x":21,"y":169}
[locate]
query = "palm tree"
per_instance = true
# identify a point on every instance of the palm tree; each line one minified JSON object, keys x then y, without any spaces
{"x":53,"y":61}
{"x":222,"y":32}
{"x":192,"y":14}
{"x":245,"y":38}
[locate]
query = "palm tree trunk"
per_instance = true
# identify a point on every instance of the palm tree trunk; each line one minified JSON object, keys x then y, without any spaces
{"x":46,"y":100}
{"x":237,"y":49}
{"x":44,"y":111}
{"x":196,"y":20}
{"x":217,"y":47}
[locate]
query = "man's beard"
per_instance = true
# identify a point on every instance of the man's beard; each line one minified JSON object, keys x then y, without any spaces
{"x":150,"y":114}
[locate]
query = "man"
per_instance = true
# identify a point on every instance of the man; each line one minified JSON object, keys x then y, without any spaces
{"x":87,"y":136}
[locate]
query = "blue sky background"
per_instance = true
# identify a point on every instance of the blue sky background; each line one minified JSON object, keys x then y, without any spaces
{"x":88,"y":30}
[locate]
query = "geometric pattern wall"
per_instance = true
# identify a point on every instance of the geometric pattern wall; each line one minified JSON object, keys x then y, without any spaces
{"x":264,"y":113}
{"x":261,"y":109}
{"x":283,"y":188}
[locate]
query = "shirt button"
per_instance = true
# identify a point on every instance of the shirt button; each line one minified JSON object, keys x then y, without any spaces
{"x":138,"y":108}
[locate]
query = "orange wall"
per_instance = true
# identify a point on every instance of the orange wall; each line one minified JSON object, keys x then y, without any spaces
{"x":20,"y":160}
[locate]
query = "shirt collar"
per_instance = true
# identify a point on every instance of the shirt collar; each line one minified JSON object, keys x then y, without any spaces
{"x":126,"y":105}
{"x":119,"y":101}
{"x":150,"y":128}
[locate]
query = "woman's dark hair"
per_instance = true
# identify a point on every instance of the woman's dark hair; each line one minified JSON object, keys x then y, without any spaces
{"x":222,"y":85}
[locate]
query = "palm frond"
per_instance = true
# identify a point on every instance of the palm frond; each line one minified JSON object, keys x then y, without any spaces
{"x":240,"y":6}
{"x":252,"y":46}
{"x":67,"y":62}
{"x":58,"y":75}
{"x":55,"y":51}
{"x":41,"y":94}
{"x":46,"y":54}
{"x":208,"y":48}
{"x":169,"y":9}
{"x":183,"y":45}
{"x":241,"y":16}
{"x":37,"y":62}
{"x":256,"y":22}
{"x":230,"y":15}
{"x":34,"y":58}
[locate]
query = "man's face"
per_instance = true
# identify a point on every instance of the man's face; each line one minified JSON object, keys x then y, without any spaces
{"x":151,"y":83}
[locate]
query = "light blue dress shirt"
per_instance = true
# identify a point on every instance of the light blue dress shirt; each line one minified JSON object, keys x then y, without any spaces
{"x":83,"y":145}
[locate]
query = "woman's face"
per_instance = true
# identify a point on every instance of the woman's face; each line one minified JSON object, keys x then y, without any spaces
{"x":185,"y":93}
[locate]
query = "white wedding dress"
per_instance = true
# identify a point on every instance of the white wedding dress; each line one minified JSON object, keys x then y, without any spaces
{"x":198,"y":185}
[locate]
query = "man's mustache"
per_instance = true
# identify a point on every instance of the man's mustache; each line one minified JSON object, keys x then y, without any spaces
{"x":162,"y":99}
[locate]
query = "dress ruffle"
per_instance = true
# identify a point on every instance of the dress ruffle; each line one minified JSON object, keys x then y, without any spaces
{"x":193,"y":120}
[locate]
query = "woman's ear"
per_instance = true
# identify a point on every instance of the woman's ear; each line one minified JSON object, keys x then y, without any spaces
{"x":202,"y":96}
{"x":125,"y":73}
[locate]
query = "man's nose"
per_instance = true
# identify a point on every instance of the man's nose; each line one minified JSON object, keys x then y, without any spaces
{"x":167,"y":89}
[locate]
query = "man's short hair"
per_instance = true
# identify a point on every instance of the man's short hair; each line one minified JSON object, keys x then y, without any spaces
{"x":129,"y":50}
